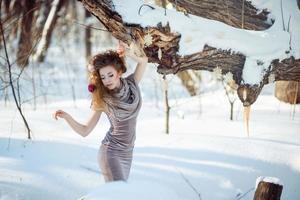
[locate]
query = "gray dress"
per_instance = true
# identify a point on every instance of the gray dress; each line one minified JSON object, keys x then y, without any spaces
{"x":117,"y":146}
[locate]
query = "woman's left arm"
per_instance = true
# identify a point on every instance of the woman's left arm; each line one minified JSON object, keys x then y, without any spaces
{"x":142,"y":61}
{"x":140,"y":67}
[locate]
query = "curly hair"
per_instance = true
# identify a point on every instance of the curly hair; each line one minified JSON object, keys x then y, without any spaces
{"x":98,"y":61}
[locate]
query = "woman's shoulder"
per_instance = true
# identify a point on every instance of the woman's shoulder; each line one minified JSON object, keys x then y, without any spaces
{"x":131,"y":78}
{"x":98,"y":107}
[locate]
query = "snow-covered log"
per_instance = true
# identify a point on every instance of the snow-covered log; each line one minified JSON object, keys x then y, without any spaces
{"x":162,"y":42}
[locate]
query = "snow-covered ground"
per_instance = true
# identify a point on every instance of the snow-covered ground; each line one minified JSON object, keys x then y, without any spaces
{"x":205,"y":153}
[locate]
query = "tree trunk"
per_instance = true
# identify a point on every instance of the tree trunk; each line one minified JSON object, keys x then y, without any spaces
{"x":6,"y":7}
{"x":167,"y":106}
{"x":88,"y":44}
{"x":230,"y":12}
{"x":44,"y":10}
{"x":47,"y":30}
{"x":13,"y":18}
{"x":231,"y":110}
{"x":189,"y":82}
{"x":268,"y":191}
{"x":25,"y":40}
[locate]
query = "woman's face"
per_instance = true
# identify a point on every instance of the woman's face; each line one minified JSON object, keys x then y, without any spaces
{"x":110,"y":77}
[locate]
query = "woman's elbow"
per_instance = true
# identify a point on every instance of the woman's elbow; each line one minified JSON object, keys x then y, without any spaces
{"x":85,"y":132}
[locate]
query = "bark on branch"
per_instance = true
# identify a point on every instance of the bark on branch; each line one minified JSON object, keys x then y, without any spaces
{"x":231,"y":12}
{"x":165,"y":44}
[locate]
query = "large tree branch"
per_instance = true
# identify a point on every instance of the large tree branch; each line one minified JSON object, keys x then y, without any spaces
{"x":167,"y":42}
{"x":231,"y":12}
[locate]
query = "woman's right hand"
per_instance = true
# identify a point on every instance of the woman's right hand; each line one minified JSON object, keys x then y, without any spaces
{"x":60,"y":114}
{"x":122,"y":48}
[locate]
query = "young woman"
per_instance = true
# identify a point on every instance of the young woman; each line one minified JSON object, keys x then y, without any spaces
{"x":119,"y":98}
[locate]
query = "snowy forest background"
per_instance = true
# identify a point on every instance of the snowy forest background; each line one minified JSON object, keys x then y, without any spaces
{"x":207,"y":153}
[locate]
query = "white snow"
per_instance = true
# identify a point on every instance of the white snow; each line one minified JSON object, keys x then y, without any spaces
{"x":197,"y":31}
{"x":205,"y":155}
{"x":253,"y":71}
{"x":273,"y":180}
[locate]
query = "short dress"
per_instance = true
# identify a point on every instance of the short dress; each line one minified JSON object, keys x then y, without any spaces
{"x":117,"y":147}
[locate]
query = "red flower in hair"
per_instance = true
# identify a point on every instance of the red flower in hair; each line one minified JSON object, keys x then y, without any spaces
{"x":91,"y":87}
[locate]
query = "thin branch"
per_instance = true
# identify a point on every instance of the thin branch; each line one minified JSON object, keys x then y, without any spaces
{"x":139,"y":12}
{"x":16,"y":19}
{"x":10,"y":79}
{"x":189,"y":183}
{"x":242,"y":196}
{"x":227,"y":93}
{"x":288,"y":29}
{"x":89,"y":27}
{"x":32,"y":98}
{"x":282,"y":15}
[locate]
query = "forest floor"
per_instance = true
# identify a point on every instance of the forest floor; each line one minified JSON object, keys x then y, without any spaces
{"x":205,"y":156}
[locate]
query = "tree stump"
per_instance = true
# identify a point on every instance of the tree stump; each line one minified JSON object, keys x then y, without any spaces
{"x":268,"y":189}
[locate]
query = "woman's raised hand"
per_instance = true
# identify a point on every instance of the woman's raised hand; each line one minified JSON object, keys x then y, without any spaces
{"x":122,"y":49}
{"x":59,"y":114}
{"x":133,"y":51}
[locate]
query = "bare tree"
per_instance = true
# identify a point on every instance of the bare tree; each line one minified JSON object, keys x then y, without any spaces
{"x":88,"y":32}
{"x":190,"y":82}
{"x":47,"y":30}
{"x":17,"y":102}
{"x":166,"y":104}
{"x":25,"y":39}
{"x":230,"y":90}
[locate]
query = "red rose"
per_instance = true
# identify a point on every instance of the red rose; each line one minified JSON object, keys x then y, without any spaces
{"x":91,"y":87}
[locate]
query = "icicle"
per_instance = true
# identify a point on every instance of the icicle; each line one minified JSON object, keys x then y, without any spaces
{"x":295,"y":100}
{"x":244,"y":94}
{"x":246,"y":117}
{"x":159,"y":53}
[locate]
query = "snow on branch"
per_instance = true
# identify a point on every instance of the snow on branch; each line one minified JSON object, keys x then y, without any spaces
{"x":177,"y":42}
